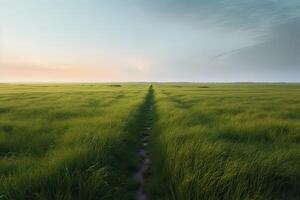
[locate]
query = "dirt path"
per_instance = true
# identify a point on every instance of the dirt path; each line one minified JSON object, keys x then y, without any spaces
{"x":139,"y":175}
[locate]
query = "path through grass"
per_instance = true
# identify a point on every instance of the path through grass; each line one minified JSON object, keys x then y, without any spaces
{"x":226,"y":142}
{"x":214,"y":141}
{"x":69,"y":141}
{"x":141,"y":171}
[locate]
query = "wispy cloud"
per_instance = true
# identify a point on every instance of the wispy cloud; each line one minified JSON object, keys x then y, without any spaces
{"x":280,"y":51}
{"x":272,"y":26}
{"x":158,"y":40}
{"x":227,"y":13}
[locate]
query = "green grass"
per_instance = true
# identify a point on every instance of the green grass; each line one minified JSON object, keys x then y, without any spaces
{"x":226,"y":142}
{"x":211,"y":142}
{"x":69,"y":141}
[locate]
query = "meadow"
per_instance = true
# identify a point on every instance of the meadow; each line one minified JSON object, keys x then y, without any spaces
{"x":226,"y":141}
{"x":69,"y":141}
{"x":206,"y":141}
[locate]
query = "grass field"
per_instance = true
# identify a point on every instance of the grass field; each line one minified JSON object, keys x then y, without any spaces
{"x":68,"y":141}
{"x":226,"y":142}
{"x":211,"y":142}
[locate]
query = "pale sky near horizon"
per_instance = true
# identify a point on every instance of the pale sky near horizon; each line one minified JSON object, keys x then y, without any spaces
{"x":157,"y":40}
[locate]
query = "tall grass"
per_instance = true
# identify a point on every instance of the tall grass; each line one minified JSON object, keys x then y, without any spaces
{"x":210,"y":141}
{"x":226,"y":142}
{"x":69,"y":141}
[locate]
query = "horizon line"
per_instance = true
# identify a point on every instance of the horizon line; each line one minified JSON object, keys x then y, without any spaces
{"x":193,"y":82}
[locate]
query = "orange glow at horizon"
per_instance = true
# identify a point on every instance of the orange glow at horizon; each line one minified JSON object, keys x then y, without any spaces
{"x":27,"y":73}
{"x":14,"y":68}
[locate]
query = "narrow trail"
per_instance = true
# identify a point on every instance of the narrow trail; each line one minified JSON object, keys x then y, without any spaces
{"x":139,"y":175}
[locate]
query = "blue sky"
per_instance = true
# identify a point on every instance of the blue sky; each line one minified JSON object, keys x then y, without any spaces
{"x":157,"y":40}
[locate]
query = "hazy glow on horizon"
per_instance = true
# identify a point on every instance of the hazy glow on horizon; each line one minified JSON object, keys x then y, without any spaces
{"x":159,"y":40}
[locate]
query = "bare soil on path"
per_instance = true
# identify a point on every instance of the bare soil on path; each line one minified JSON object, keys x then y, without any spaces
{"x":139,"y":175}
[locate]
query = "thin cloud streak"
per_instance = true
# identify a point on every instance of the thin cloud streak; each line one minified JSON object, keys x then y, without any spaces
{"x":159,"y":40}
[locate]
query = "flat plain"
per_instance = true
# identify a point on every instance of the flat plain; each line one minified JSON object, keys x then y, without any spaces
{"x":207,"y":141}
{"x":230,"y":141}
{"x":68,"y":141}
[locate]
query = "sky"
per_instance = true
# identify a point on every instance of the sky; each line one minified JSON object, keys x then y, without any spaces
{"x":157,"y":40}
